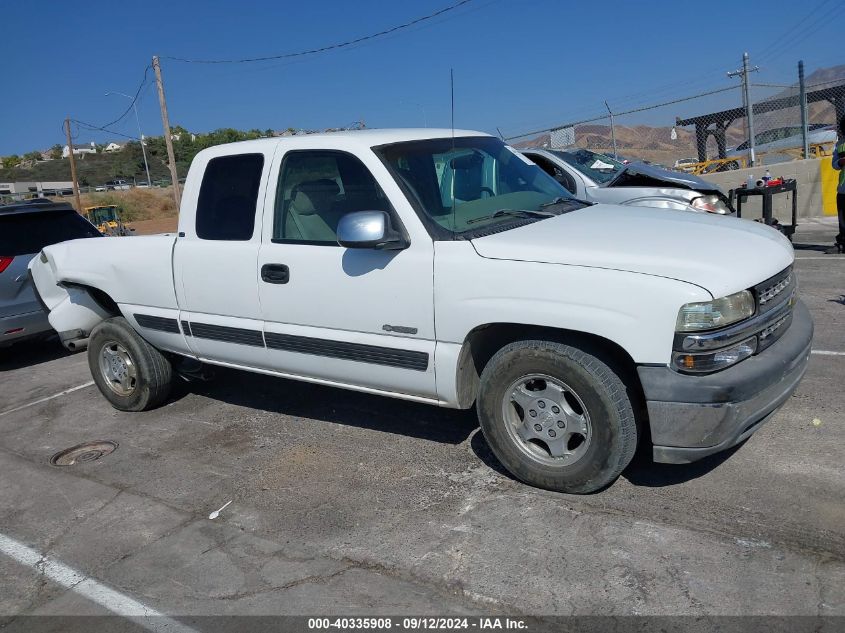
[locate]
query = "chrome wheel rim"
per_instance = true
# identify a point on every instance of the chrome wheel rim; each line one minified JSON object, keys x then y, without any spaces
{"x":547,"y":420}
{"x":118,"y":369}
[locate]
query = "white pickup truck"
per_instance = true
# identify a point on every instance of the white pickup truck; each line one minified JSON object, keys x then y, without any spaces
{"x":444,"y":267}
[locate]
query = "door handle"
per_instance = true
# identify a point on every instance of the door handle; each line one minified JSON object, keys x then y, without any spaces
{"x":275,"y":273}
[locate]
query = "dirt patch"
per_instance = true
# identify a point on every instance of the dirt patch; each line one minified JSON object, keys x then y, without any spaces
{"x":152,"y":227}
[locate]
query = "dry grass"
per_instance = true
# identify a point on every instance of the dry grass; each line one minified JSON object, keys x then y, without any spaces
{"x":137,"y":204}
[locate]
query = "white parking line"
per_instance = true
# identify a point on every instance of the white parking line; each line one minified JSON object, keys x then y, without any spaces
{"x":829,"y":258}
{"x":40,"y":400}
{"x":824,"y":352}
{"x":91,"y":589}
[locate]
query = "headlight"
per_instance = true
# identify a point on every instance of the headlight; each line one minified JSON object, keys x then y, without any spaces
{"x":714,"y":361}
{"x":708,"y":315}
{"x":711,"y":203}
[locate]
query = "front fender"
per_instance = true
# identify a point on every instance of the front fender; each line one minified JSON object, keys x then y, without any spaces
{"x":636,"y":311}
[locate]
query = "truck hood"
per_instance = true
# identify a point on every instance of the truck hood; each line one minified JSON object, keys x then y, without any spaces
{"x":645,"y":175}
{"x":720,"y":254}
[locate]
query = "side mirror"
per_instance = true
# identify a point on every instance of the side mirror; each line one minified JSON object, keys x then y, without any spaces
{"x":369,"y":229}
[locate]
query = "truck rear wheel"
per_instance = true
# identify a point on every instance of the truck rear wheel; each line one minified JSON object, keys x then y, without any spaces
{"x":556,"y":416}
{"x":132,"y":374}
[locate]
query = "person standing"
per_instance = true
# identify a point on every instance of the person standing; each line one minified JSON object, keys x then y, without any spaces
{"x":838,"y":161}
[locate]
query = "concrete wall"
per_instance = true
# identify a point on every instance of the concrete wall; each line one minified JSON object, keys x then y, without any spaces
{"x":807,"y":173}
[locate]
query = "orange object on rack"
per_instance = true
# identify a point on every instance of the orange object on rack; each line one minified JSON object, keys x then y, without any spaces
{"x":774,"y":182}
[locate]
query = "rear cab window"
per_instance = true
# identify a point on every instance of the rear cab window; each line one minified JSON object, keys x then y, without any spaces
{"x":228,"y":197}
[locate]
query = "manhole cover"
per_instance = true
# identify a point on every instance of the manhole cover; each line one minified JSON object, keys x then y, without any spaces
{"x":88,"y":452}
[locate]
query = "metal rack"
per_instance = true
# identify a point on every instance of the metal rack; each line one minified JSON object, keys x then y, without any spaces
{"x":741,"y":194}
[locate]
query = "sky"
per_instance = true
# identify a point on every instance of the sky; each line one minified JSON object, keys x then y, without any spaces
{"x":519,"y":65}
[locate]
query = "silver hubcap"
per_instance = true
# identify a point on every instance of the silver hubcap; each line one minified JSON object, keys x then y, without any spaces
{"x":547,"y":420}
{"x":118,"y":369}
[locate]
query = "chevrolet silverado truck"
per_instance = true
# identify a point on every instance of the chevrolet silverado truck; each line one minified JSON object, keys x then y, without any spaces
{"x":444,"y":267}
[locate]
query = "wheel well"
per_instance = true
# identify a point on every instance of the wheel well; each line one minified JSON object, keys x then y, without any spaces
{"x":482,"y":343}
{"x":101,"y":298}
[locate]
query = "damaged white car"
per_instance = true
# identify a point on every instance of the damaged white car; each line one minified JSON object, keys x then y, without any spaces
{"x":598,"y":177}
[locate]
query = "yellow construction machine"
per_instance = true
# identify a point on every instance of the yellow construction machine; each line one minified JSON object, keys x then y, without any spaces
{"x":107,"y":220}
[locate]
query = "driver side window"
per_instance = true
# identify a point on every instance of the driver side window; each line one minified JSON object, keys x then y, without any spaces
{"x":316,"y":189}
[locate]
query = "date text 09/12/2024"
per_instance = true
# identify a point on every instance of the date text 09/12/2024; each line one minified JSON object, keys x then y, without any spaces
{"x":418,"y":623}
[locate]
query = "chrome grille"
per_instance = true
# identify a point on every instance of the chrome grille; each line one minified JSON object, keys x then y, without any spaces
{"x":770,"y":292}
{"x":773,"y":291}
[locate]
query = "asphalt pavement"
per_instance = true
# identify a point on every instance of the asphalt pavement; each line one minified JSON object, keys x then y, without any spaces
{"x":350,"y":504}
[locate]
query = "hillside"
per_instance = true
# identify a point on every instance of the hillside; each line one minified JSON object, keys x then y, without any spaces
{"x":640,"y":141}
{"x":655,"y":143}
{"x":93,"y":169}
{"x":128,"y":163}
{"x":818,"y":112}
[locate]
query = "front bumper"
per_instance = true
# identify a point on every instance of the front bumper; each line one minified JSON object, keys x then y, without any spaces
{"x":694,"y":416}
{"x":22,"y":326}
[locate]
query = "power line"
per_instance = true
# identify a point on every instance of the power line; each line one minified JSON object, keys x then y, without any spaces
{"x":796,"y":35}
{"x":777,"y":42}
{"x":323,"y":49}
{"x":134,"y":99}
{"x":104,"y":128}
{"x":642,"y":109}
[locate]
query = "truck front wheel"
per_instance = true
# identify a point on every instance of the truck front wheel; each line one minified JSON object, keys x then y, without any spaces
{"x":556,"y":416}
{"x":132,"y":374}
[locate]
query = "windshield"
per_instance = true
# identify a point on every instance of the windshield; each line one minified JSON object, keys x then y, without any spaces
{"x":600,"y":167}
{"x":103,"y":214}
{"x":462,"y":184}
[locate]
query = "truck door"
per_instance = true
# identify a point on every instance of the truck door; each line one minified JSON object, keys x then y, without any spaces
{"x":215,"y":258}
{"x":361,"y":317}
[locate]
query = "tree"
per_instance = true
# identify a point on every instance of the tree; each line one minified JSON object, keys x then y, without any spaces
{"x":56,"y":151}
{"x":10,"y":162}
{"x":32,"y":156}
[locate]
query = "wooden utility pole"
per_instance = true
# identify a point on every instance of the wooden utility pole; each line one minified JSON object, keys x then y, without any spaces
{"x":72,"y":159}
{"x":165,"y":121}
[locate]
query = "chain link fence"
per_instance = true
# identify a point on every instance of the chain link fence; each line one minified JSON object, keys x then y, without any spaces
{"x":709,"y":132}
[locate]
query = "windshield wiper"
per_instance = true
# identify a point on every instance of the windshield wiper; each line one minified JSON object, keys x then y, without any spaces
{"x":516,"y":213}
{"x":561,"y":201}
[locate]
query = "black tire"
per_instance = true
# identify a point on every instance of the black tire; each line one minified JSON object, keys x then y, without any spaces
{"x":609,"y":445}
{"x":153,"y":374}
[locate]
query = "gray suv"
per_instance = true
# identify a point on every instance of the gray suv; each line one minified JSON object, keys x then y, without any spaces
{"x":25,"y":229}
